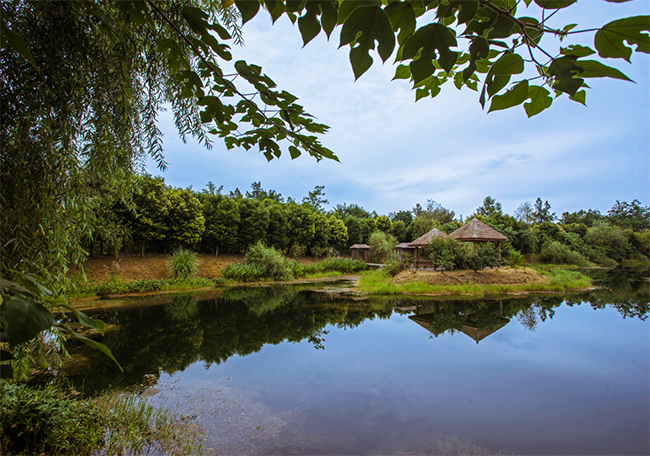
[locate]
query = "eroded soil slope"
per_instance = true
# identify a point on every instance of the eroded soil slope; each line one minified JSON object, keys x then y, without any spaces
{"x":500,"y":276}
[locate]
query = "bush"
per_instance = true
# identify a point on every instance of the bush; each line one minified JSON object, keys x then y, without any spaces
{"x":557,"y":253}
{"x":317,"y":251}
{"x":272,"y":262}
{"x":297,"y":251}
{"x":516,"y":258}
{"x":396,"y":264}
{"x":382,"y":245}
{"x":46,"y":421}
{"x":183,"y":264}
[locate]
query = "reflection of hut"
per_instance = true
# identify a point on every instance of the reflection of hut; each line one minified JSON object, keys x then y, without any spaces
{"x":477,"y":231}
{"x":360,"y":251}
{"x":423,"y":241}
{"x":403,"y":249}
{"x":472,"y":330}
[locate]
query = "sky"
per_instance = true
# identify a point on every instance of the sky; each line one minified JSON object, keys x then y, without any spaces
{"x":395,"y":153}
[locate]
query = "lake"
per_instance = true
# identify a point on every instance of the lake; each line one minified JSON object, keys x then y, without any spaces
{"x":316,"y":370}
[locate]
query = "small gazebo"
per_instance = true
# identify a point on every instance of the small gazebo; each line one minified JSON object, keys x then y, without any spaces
{"x":423,"y":241}
{"x":360,"y":251}
{"x":403,"y":249}
{"x":477,"y":231}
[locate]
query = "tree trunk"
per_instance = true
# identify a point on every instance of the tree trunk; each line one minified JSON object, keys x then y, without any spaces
{"x":216,"y":250}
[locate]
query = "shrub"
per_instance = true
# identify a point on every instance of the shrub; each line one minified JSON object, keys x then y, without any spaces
{"x":396,"y":264}
{"x":273,"y":262}
{"x":317,"y":251}
{"x":382,"y":245}
{"x":183,"y":264}
{"x":516,"y":258}
{"x":46,"y":421}
{"x":297,"y":251}
{"x":558,"y":253}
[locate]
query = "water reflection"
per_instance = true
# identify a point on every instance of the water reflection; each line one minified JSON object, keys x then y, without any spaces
{"x":171,"y":337}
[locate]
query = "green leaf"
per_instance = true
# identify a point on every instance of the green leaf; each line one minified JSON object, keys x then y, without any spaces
{"x":294,"y":152}
{"x":91,"y":343}
{"x":508,"y":64}
{"x":346,"y":7}
{"x":580,"y":97}
{"x":308,"y":24}
{"x":609,"y":40}
{"x":554,"y":4}
{"x":85,"y":320}
{"x":25,"y":319}
{"x":402,"y":17}
{"x":496,"y":83}
{"x":513,"y":97}
{"x":402,"y":72}
{"x":329,"y":16}
{"x":540,"y":99}
{"x":428,"y":40}
{"x":363,"y":27}
{"x":15,"y":42}
{"x":563,"y":70}
{"x":577,"y":51}
{"x":248,"y":9}
{"x":595,"y":69}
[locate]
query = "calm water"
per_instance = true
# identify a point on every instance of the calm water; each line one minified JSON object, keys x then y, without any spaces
{"x":289,"y":371}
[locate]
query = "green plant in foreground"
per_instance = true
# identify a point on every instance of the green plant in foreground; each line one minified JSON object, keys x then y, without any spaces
{"x":46,"y":421}
{"x":183,"y":264}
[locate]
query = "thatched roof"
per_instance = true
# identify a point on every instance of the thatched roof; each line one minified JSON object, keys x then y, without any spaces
{"x":424,"y":240}
{"x":478,"y":335}
{"x":404,"y":245}
{"x":360,"y":246}
{"x":475,"y":230}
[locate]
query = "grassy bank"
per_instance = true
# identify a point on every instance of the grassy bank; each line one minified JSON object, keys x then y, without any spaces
{"x":378,"y":283}
{"x":116,"y":286}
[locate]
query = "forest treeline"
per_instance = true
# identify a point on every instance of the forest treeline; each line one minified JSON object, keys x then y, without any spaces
{"x":158,"y":218}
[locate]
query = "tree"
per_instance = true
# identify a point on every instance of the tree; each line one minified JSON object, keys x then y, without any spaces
{"x":353,"y":226}
{"x":259,"y":194}
{"x":524,"y":213}
{"x":338,"y":233}
{"x":343,"y":210}
{"x":404,"y":216}
{"x":221,"y":221}
{"x":277,"y":235}
{"x":316,"y":198}
{"x":383,"y":223}
{"x":542,"y":212}
{"x":630,"y":215}
{"x":489,"y":207}
{"x":151,"y":208}
{"x":253,"y":222}
{"x":399,"y":230}
{"x":185,"y":222}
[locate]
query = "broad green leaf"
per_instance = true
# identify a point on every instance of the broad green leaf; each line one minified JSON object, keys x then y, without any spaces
{"x":513,"y":97}
{"x":346,"y":7}
{"x":427,"y":40}
{"x":402,"y":72}
{"x":609,"y":40}
{"x":555,"y":4}
{"x":85,"y":320}
{"x":508,"y":64}
{"x":248,"y":9}
{"x":467,"y":11}
{"x":294,"y":152}
{"x":25,"y":319}
{"x":595,"y":69}
{"x":362,"y":28}
{"x":577,"y":51}
{"x":91,"y":343}
{"x":540,"y":99}
{"x":563,"y":70}
{"x":308,"y":25}
{"x":496,"y":83}
{"x":580,"y":97}
{"x":329,"y":16}
{"x":15,"y":42}
{"x":402,"y":17}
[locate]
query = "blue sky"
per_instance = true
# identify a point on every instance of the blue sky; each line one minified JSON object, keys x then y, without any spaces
{"x":395,"y":152}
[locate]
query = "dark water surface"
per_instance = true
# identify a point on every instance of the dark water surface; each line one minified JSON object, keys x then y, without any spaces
{"x":289,"y":371}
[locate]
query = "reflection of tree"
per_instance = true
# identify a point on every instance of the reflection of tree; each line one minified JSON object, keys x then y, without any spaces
{"x":260,"y":300}
{"x":182,"y":307}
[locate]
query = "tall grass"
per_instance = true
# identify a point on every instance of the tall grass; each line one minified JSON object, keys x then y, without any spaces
{"x":183,"y":264}
{"x":46,"y":421}
{"x":376,"y":282}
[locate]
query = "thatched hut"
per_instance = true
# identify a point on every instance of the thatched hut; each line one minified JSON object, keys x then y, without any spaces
{"x":423,"y":241}
{"x":403,"y":249}
{"x":477,"y":231}
{"x":360,"y":251}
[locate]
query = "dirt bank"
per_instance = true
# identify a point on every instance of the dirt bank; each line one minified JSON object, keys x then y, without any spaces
{"x":152,"y":267}
{"x":500,"y":276}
